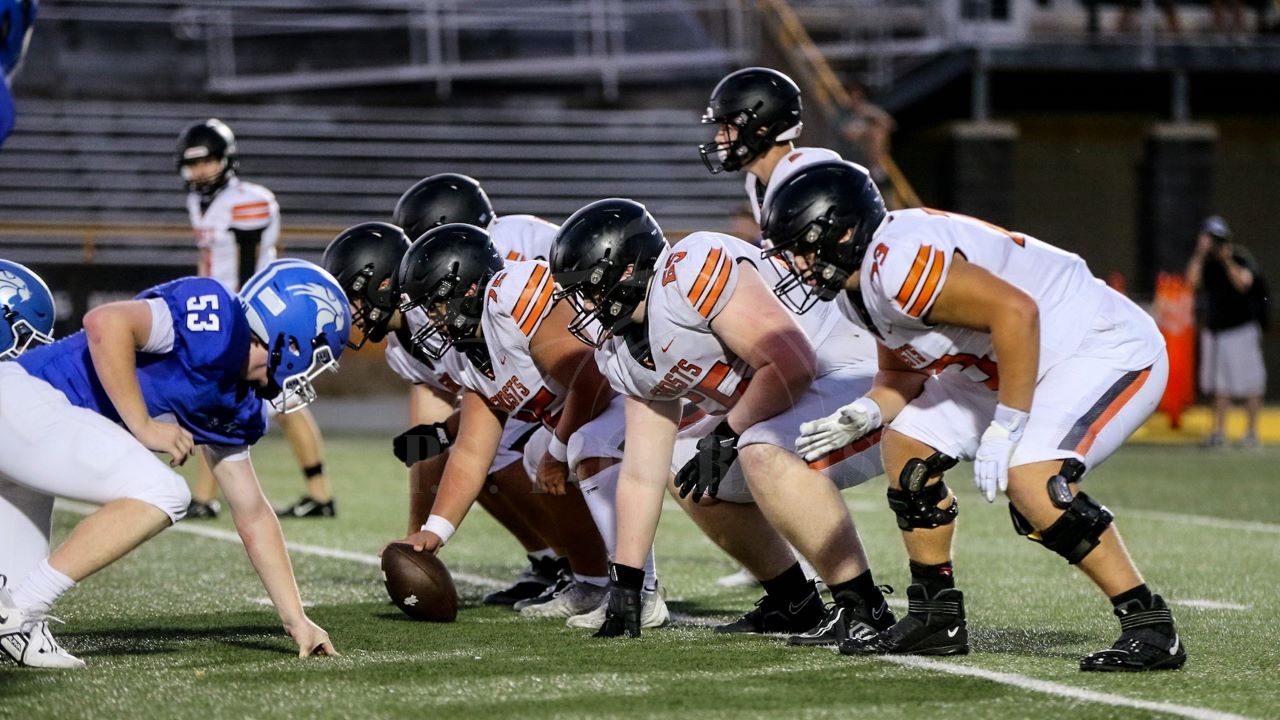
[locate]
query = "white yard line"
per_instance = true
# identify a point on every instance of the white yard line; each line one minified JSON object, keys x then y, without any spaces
{"x":1209,"y":604}
{"x":1203,"y":520}
{"x":1012,"y":679}
{"x":1052,"y":688}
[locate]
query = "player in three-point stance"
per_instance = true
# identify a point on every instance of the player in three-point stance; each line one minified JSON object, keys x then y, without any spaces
{"x":182,"y":365}
{"x":438,"y":200}
{"x":365,"y":259}
{"x":237,"y":228}
{"x":497,"y":329}
{"x":1023,"y":362}
{"x":695,"y":322}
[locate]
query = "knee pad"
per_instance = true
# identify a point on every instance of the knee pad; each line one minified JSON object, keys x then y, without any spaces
{"x":1079,"y":529}
{"x":920,"y":509}
{"x":916,"y":504}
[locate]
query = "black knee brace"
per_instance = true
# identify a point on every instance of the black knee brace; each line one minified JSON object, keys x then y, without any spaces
{"x":1078,"y":531}
{"x":916,"y":504}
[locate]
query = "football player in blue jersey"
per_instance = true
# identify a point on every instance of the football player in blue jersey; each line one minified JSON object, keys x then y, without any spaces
{"x":185,"y":363}
{"x":16,"y":20}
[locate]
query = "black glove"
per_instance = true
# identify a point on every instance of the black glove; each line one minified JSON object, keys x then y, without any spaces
{"x":704,"y":471}
{"x":420,"y":443}
{"x":623,"y":612}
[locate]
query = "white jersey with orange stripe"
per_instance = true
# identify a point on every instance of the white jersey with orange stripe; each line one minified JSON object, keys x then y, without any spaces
{"x":239,"y":205}
{"x":677,"y":355}
{"x":788,"y":166}
{"x":516,"y":302}
{"x":907,"y":265}
{"x":410,"y":363}
{"x":523,"y":237}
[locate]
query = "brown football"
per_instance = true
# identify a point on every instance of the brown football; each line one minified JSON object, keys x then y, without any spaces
{"x":419,"y":584}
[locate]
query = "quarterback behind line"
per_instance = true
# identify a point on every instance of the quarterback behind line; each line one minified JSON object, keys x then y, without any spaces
{"x":1014,"y":680}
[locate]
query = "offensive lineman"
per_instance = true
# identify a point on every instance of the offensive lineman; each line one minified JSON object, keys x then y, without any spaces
{"x":181,"y":365}
{"x":488,"y":324}
{"x":1024,"y":362}
{"x":695,"y":321}
{"x":237,"y":228}
{"x":438,"y":200}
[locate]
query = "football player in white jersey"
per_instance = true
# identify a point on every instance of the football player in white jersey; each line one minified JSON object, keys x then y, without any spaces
{"x":696,"y":322}
{"x":365,"y":259}
{"x":1023,"y":362}
{"x":756,"y":112}
{"x":496,"y":329}
{"x":438,"y":200}
{"x":237,"y":229}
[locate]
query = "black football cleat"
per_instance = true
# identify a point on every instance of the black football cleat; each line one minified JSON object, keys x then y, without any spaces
{"x":772,"y":615}
{"x":1148,"y":641}
{"x":541,"y":574}
{"x":197,"y":510}
{"x":307,"y":507}
{"x":622,"y":616}
{"x":850,"y":619}
{"x":932,"y":626}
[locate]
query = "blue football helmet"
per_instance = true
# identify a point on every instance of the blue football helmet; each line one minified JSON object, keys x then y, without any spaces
{"x":26,"y":310}
{"x":299,"y":312}
{"x":17,"y":18}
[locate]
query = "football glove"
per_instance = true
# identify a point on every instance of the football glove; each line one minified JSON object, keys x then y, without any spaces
{"x":715,"y":455}
{"x":421,"y":442}
{"x":991,"y":463}
{"x":826,"y":435}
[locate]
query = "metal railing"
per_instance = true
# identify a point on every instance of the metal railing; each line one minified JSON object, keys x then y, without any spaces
{"x":605,"y":40}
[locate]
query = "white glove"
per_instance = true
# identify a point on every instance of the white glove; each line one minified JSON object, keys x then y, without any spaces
{"x":991,"y":464}
{"x":823,"y":436}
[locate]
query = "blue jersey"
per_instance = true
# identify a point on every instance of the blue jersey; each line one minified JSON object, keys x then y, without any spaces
{"x":198,"y":382}
{"x":7,"y":112}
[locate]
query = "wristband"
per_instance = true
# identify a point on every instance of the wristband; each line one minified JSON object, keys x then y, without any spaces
{"x":440,"y":526}
{"x":558,"y":449}
{"x":871,"y":409}
{"x":1013,"y":421}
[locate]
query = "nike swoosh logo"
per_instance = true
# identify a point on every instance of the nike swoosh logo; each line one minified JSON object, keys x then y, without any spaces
{"x":664,"y":347}
{"x":879,"y":612}
{"x":794,"y":608}
{"x":952,"y":632}
{"x":1176,"y":642}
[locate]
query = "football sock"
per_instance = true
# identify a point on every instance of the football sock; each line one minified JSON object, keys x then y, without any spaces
{"x":790,"y":585}
{"x":597,"y":580}
{"x":626,"y":576}
{"x":934,"y":578}
{"x":542,"y":554}
{"x":1141,"y":593}
{"x":862,"y":586}
{"x":42,"y":588}
{"x":600,"y":491}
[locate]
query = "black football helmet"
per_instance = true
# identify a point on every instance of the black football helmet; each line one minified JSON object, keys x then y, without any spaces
{"x":365,"y":259}
{"x":808,"y":216}
{"x":445,"y":273}
{"x":209,"y":138}
{"x":762,"y":105}
{"x":440,"y":200}
{"x":602,"y":259}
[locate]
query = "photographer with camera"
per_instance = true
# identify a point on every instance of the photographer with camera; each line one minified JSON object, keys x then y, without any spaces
{"x":1235,"y":297}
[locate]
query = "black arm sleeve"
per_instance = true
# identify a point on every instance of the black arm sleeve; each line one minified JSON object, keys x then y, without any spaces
{"x":248,"y":241}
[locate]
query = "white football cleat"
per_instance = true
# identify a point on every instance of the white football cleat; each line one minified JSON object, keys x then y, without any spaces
{"x":576,"y":599}
{"x":25,"y":638}
{"x":653,"y":612}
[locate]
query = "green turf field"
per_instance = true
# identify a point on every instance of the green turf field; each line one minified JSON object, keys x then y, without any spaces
{"x":179,"y":629}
